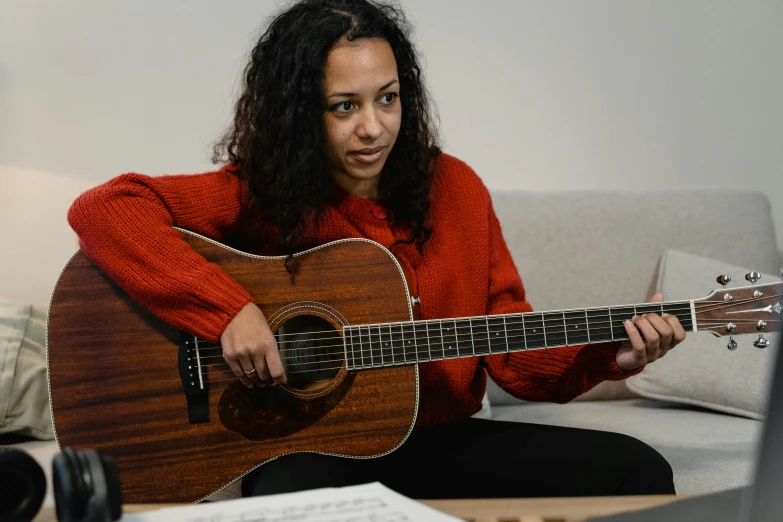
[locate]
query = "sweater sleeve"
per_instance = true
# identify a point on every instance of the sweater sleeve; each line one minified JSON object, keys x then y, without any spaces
{"x":125,"y":228}
{"x":552,"y":375}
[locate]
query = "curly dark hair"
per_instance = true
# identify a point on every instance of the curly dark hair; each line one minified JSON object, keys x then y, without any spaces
{"x":276,"y":142}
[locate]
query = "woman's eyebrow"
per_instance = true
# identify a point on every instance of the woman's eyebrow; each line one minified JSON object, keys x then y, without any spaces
{"x":349,"y":94}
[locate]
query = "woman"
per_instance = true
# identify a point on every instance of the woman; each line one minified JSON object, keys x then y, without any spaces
{"x":332,"y":139}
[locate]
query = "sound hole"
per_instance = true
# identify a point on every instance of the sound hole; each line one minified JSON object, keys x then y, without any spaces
{"x":311,"y":350}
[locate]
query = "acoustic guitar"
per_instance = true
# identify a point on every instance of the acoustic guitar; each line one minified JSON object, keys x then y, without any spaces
{"x":180,"y":426}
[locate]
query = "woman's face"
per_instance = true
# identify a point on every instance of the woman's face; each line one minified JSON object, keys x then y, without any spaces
{"x":363,"y":112}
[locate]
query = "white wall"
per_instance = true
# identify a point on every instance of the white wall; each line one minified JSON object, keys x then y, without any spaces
{"x":542,"y":95}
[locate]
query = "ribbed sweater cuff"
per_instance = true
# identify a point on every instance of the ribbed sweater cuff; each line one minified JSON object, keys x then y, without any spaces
{"x":600,"y":362}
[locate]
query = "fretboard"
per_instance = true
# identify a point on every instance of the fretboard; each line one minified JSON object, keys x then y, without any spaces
{"x":411,"y":342}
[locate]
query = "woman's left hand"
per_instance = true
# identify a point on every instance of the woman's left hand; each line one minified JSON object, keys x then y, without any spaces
{"x":661,"y":334}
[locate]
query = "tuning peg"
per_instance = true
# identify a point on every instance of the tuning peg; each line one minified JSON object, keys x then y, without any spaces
{"x":732,"y":344}
{"x":761,"y":342}
{"x":753,"y":277}
{"x":723,"y":279}
{"x":730,"y":327}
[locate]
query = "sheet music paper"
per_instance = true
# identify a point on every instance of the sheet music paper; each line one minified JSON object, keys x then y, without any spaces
{"x":366,"y":503}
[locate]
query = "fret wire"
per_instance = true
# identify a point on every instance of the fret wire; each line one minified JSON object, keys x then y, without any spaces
{"x":489,"y":335}
{"x":357,"y":363}
{"x":380,"y":346}
{"x":442,"y":340}
{"x":362,"y":346}
{"x":353,"y":357}
{"x":456,"y":338}
{"x":372,"y":349}
{"x":587,"y":326}
{"x":472,"y":340}
{"x":361,"y":349}
{"x":415,"y":343}
{"x":565,"y":329}
{"x":372,"y":356}
{"x":524,"y":329}
{"x":543,"y":325}
{"x":380,"y":341}
{"x":391,"y":343}
{"x":427,"y":331}
{"x":611,"y":330}
{"x":505,"y":333}
{"x":372,"y":353}
{"x":404,"y":353}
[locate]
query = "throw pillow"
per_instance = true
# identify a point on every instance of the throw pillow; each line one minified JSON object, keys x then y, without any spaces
{"x":24,"y":392}
{"x":702,"y":371}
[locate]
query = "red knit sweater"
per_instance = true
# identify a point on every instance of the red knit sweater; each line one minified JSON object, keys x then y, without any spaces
{"x":465,"y":269}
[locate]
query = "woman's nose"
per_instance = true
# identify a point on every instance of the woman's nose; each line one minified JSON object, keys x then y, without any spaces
{"x":370,"y":125}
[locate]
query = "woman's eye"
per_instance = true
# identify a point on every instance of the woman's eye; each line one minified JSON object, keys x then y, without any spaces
{"x":388,"y":98}
{"x":343,"y":106}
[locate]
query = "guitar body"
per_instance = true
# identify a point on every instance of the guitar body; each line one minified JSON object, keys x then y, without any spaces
{"x":116,"y":375}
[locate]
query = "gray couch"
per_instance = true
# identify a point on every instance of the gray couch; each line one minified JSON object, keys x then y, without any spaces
{"x":600,"y":248}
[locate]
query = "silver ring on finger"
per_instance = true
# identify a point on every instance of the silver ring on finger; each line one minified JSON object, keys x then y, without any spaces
{"x":251,"y":372}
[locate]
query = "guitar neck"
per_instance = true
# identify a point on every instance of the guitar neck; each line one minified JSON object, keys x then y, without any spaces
{"x":398,"y":344}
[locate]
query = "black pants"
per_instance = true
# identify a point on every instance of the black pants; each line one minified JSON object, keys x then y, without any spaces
{"x":478,"y":458}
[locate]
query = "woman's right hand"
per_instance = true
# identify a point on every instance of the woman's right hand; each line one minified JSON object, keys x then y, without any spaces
{"x":250,"y":349}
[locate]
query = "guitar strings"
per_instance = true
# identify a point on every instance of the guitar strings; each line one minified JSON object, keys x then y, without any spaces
{"x":428,"y":353}
{"x":407,"y":362}
{"x":441,"y":341}
{"x":394,"y":364}
{"x":698,"y":305}
{"x":559,"y":320}
{"x":406,"y":355}
{"x":535,"y":322}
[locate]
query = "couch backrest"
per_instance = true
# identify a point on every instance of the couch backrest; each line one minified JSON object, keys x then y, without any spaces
{"x":571,"y":248}
{"x":576,"y":249}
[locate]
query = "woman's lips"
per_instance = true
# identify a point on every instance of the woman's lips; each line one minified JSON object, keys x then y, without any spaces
{"x":368,"y":155}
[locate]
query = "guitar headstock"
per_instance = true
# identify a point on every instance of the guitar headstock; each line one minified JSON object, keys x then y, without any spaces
{"x":756,"y":309}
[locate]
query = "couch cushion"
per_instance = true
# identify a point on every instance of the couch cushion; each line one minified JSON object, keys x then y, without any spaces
{"x":701,"y":370}
{"x":708,"y":451}
{"x":24,"y":395}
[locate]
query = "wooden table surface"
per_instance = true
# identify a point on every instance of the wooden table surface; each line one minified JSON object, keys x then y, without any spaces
{"x":500,"y":510}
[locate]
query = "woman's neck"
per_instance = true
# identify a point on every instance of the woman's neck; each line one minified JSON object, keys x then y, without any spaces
{"x":361,"y":188}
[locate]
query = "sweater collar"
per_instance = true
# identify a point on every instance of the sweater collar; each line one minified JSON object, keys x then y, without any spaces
{"x":354,"y":207}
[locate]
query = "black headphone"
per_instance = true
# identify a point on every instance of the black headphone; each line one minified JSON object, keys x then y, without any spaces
{"x":86,"y":486}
